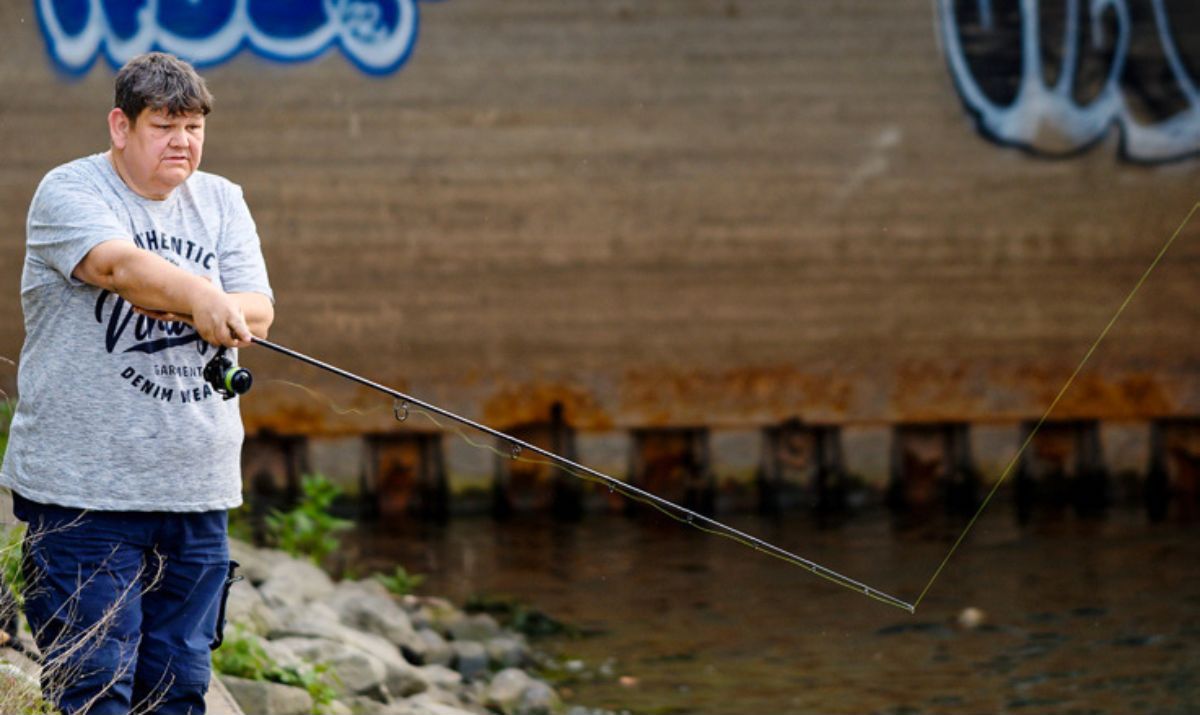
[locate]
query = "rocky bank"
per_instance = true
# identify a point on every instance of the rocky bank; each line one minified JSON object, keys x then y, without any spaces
{"x":384,"y":655}
{"x":381,"y":654}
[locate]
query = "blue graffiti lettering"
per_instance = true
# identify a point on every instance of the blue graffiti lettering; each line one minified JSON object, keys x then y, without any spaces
{"x":376,"y":35}
{"x":1050,"y":118}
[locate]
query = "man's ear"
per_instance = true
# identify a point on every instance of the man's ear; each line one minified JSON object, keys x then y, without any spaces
{"x":118,"y":128}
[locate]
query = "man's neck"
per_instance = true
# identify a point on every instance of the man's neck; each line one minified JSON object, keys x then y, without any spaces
{"x":118,"y":165}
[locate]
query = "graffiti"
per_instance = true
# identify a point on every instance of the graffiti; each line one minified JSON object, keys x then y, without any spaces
{"x":376,"y":35}
{"x":1054,"y":77}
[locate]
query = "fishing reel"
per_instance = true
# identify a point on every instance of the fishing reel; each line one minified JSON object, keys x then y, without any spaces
{"x":226,"y":378}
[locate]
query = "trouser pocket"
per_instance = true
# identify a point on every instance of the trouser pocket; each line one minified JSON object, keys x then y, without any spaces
{"x":230,"y":579}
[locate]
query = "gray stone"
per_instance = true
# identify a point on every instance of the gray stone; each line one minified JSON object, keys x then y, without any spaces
{"x":424,"y":706}
{"x":355,"y":671}
{"x":19,"y":689}
{"x":263,"y":698}
{"x":399,"y":677}
{"x":514,"y":692}
{"x":440,"y":677}
{"x":439,"y":614}
{"x":470,"y":658}
{"x":434,"y":650}
{"x":281,"y":654}
{"x":253,"y":563}
{"x":477,"y":627}
{"x":308,"y":620}
{"x":507,"y":651}
{"x":337,"y":707}
{"x":366,"y":706}
{"x":441,"y":695}
{"x":368,"y":606}
{"x":294,"y":582}
{"x":247,"y":608}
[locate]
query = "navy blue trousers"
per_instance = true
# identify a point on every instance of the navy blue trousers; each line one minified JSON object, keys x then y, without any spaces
{"x":124,"y":606}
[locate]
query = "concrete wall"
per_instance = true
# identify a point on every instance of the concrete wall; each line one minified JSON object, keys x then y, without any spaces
{"x":687,"y":212}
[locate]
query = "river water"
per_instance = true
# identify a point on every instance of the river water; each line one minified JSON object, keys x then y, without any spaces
{"x":1077,"y":617}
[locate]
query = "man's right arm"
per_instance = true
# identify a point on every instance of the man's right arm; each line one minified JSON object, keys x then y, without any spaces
{"x":149,"y":281}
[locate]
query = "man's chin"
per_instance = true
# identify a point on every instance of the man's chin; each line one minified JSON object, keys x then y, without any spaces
{"x":174,"y":177}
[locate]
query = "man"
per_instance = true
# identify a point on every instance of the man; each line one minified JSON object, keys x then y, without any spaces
{"x":121,"y":458}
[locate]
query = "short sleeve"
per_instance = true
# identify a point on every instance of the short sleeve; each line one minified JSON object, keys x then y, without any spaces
{"x":243,"y":269}
{"x":68,"y":218}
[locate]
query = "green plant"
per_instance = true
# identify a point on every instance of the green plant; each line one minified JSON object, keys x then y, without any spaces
{"x":242,"y":655}
{"x":308,"y":530}
{"x":6,"y":412}
{"x":11,"y":550}
{"x":241,"y":524}
{"x":400,"y":581}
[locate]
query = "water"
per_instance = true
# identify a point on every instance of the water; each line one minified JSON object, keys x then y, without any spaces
{"x":1079,"y":617}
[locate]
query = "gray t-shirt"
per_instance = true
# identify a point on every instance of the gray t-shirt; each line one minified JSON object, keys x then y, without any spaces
{"x":114,"y":413}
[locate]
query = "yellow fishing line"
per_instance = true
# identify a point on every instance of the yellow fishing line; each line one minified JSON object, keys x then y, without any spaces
{"x":340,"y":411}
{"x":1070,"y":380}
{"x":828,"y":575}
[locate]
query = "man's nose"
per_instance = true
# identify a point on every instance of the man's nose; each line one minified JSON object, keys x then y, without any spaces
{"x":179,"y":139}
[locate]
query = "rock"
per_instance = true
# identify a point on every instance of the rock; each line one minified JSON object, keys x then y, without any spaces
{"x":439,"y":677}
{"x":337,"y":707}
{"x":470,"y":658}
{"x":367,"y":606}
{"x":358,"y":673}
{"x":423,"y":706}
{"x":399,"y":677}
{"x":19,"y":688}
{"x":439,"y":614}
{"x":318,"y":620}
{"x":366,"y":706}
{"x":514,"y":692}
{"x":263,"y":698}
{"x":247,"y":608}
{"x":22,"y":662}
{"x":441,"y":695}
{"x":507,"y":652}
{"x":477,"y":627}
{"x":255,"y":564}
{"x":294,"y":582}
{"x":434,"y":650}
{"x":281,"y":654}
{"x":308,"y":620}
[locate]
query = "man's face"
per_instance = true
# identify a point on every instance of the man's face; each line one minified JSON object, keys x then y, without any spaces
{"x":160,"y":151}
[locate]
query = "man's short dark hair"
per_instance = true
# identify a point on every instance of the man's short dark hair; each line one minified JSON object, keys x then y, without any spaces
{"x":161,"y":82}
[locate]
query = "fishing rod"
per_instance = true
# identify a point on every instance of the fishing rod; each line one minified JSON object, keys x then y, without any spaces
{"x":230,"y":380}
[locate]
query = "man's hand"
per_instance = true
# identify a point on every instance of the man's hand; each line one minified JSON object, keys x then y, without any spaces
{"x":221,"y":322}
{"x":218,"y":318}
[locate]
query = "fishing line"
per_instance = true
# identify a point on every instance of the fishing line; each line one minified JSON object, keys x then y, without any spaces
{"x":1070,"y":380}
{"x":404,"y":405}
